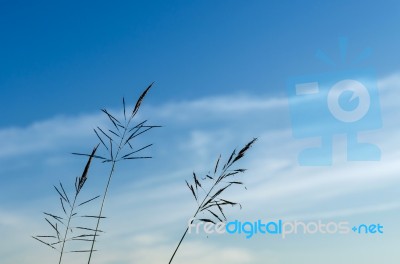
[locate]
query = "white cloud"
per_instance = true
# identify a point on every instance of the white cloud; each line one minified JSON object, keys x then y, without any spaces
{"x":46,"y":135}
{"x":9,"y":220}
{"x":196,"y":253}
{"x":195,"y":133}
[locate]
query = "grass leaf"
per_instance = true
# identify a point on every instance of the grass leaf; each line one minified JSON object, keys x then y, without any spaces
{"x":58,"y":218}
{"x":130,"y":158}
{"x":216,"y":165}
{"x":93,"y":216}
{"x":104,"y":133}
{"x":101,"y":140}
{"x":196,"y":181}
{"x":89,"y":229}
{"x":127,"y":155}
{"x":47,"y":244}
{"x":114,"y":133}
{"x":191,"y":189}
{"x":123,"y":103}
{"x":62,"y":196}
{"x":207,"y":220}
{"x":88,"y":155}
{"x":230,"y":158}
{"x":53,"y":226}
{"x":62,"y":205}
{"x":215,"y":215}
{"x":66,"y":196}
{"x":89,"y":200}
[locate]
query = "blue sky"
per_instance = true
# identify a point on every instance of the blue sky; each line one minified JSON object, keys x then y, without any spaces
{"x":72,"y":57}
{"x":220,"y":70}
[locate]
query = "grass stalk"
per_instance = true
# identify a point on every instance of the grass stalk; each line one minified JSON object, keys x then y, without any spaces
{"x":54,"y":219}
{"x":211,"y":199}
{"x":67,"y":228}
{"x":119,"y":139}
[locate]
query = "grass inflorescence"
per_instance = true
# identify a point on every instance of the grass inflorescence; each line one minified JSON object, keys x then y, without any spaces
{"x":209,"y":201}
{"x":61,"y":226}
{"x":118,"y":145}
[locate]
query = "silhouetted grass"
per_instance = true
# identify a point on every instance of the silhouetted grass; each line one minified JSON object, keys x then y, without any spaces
{"x":61,"y":227}
{"x":211,"y":204}
{"x":118,"y":143}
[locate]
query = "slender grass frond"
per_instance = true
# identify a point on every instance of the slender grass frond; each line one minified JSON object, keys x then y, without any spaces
{"x":61,"y":226}
{"x":115,"y":142}
{"x":211,"y":204}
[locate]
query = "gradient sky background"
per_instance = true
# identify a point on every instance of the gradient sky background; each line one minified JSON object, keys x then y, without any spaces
{"x":220,"y":69}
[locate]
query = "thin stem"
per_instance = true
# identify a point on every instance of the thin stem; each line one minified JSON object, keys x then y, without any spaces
{"x":114,"y":158}
{"x":195,"y":214}
{"x":67,"y":228}
{"x":101,"y":211}
{"x":173,"y":255}
{"x":107,"y":187}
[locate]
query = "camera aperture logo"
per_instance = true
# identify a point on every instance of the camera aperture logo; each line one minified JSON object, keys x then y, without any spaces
{"x":282,"y":228}
{"x":340,"y":102}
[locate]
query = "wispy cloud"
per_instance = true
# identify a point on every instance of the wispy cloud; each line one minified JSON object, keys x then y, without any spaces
{"x":46,"y":135}
{"x":195,"y":133}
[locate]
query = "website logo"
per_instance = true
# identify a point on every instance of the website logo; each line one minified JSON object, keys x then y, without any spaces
{"x":345,"y":101}
{"x":282,"y":228}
